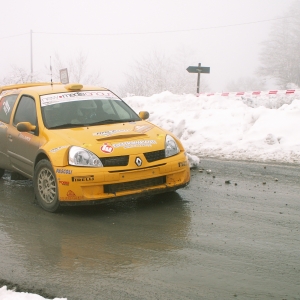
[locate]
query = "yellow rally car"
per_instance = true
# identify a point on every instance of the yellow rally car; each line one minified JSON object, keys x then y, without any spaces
{"x":83,"y":145}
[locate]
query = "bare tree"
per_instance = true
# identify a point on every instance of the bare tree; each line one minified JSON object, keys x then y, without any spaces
{"x":157,"y":73}
{"x":19,"y":75}
{"x":246,"y":84}
{"x":280,"y":56}
{"x":78,"y":70}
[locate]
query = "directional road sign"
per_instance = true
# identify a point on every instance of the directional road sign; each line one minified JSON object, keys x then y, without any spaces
{"x":198,"y":70}
{"x":192,"y":69}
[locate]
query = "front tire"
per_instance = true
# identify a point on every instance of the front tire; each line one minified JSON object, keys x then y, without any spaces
{"x":45,"y":186}
{"x":2,"y":171}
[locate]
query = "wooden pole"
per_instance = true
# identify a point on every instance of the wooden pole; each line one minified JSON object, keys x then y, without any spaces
{"x":198,"y":79}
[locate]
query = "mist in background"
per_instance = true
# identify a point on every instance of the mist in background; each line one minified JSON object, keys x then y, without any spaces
{"x":115,"y":36}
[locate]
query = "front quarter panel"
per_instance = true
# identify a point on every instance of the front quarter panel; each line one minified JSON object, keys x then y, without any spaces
{"x":57,"y":154}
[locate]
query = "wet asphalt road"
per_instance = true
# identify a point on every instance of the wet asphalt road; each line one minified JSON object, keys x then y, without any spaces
{"x":211,"y":240}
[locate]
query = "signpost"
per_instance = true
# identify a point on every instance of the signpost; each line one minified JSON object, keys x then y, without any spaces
{"x":198,"y":69}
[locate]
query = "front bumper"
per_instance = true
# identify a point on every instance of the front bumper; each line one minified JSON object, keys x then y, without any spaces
{"x":89,"y":185}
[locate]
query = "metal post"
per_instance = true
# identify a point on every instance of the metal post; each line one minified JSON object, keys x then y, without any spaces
{"x":198,"y":80}
{"x":31,"y":61}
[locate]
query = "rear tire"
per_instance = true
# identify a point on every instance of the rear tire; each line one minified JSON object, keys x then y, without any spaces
{"x":2,"y":171}
{"x":45,"y":186}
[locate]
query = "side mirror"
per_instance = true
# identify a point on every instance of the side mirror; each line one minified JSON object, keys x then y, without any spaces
{"x":25,"y":127}
{"x":144,"y":115}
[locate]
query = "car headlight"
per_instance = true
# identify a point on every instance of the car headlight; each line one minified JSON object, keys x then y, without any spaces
{"x":171,"y":147}
{"x":82,"y":157}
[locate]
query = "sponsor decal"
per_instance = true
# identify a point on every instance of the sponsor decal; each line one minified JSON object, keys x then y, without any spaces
{"x":6,"y":107}
{"x":142,"y":128}
{"x":63,"y":171}
{"x":76,"y":96}
{"x":106,"y":148}
{"x":87,"y":145}
{"x":83,"y":178}
{"x":71,"y":196}
{"x":135,"y":144}
{"x":71,"y":193}
{"x":24,"y":137}
{"x":182,"y":164}
{"x":64,"y":182}
{"x":110,"y":132}
{"x":58,"y":148}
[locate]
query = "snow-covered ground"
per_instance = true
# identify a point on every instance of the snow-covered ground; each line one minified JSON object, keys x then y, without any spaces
{"x":261,"y":128}
{"x":6,"y":294}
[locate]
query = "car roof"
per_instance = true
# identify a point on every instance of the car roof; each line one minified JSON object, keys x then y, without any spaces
{"x":43,"y":88}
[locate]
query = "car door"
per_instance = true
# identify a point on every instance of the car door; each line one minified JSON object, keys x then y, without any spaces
{"x":23,"y":146}
{"x":6,"y":107}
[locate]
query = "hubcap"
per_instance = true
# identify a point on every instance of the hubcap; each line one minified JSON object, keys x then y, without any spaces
{"x":47,"y":185}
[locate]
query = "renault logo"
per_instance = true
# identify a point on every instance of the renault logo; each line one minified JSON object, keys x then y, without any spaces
{"x":138,"y":161}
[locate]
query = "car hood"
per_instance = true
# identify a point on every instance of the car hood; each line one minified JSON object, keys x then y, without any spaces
{"x":113,"y":139}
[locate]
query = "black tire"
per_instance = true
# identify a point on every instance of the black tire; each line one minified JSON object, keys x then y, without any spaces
{"x":45,"y":186}
{"x":2,"y":171}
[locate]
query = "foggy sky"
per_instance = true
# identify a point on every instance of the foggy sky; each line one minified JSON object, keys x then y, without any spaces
{"x":116,"y":33}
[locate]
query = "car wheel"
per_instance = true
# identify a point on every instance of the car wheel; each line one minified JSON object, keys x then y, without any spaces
{"x":45,"y":186}
{"x":2,"y":171}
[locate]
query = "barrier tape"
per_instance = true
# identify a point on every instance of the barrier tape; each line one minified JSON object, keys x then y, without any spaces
{"x":253,"y":93}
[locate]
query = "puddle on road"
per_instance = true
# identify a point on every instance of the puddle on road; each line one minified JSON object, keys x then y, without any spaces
{"x":210,"y":239}
{"x":105,"y":239}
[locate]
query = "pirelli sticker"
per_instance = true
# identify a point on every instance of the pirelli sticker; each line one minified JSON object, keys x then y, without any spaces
{"x":83,"y":178}
{"x":182,"y":164}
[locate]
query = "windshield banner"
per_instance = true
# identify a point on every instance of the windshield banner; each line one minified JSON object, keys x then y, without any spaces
{"x":76,"y":96}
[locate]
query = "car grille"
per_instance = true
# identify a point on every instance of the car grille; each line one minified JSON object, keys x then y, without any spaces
{"x":155,"y":155}
{"x":115,"y":161}
{"x":134,"y":185}
{"x":119,"y":161}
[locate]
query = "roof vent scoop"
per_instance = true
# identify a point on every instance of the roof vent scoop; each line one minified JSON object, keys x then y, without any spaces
{"x":74,"y":86}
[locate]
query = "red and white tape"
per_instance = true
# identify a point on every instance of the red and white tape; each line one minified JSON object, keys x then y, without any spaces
{"x":253,"y":93}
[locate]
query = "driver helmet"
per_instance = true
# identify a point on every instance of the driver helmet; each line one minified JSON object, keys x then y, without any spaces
{"x":86,"y":108}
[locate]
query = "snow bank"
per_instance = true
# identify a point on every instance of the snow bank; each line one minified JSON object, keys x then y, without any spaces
{"x":261,"y":128}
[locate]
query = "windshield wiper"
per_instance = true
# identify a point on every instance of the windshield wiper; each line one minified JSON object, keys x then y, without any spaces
{"x":68,"y":125}
{"x":110,"y":121}
{"x":72,"y":125}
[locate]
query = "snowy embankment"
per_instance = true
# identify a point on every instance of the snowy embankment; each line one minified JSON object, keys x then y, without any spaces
{"x":257,"y":127}
{"x":6,"y":294}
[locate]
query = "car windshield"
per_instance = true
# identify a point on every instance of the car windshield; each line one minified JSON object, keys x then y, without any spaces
{"x":84,"y":108}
